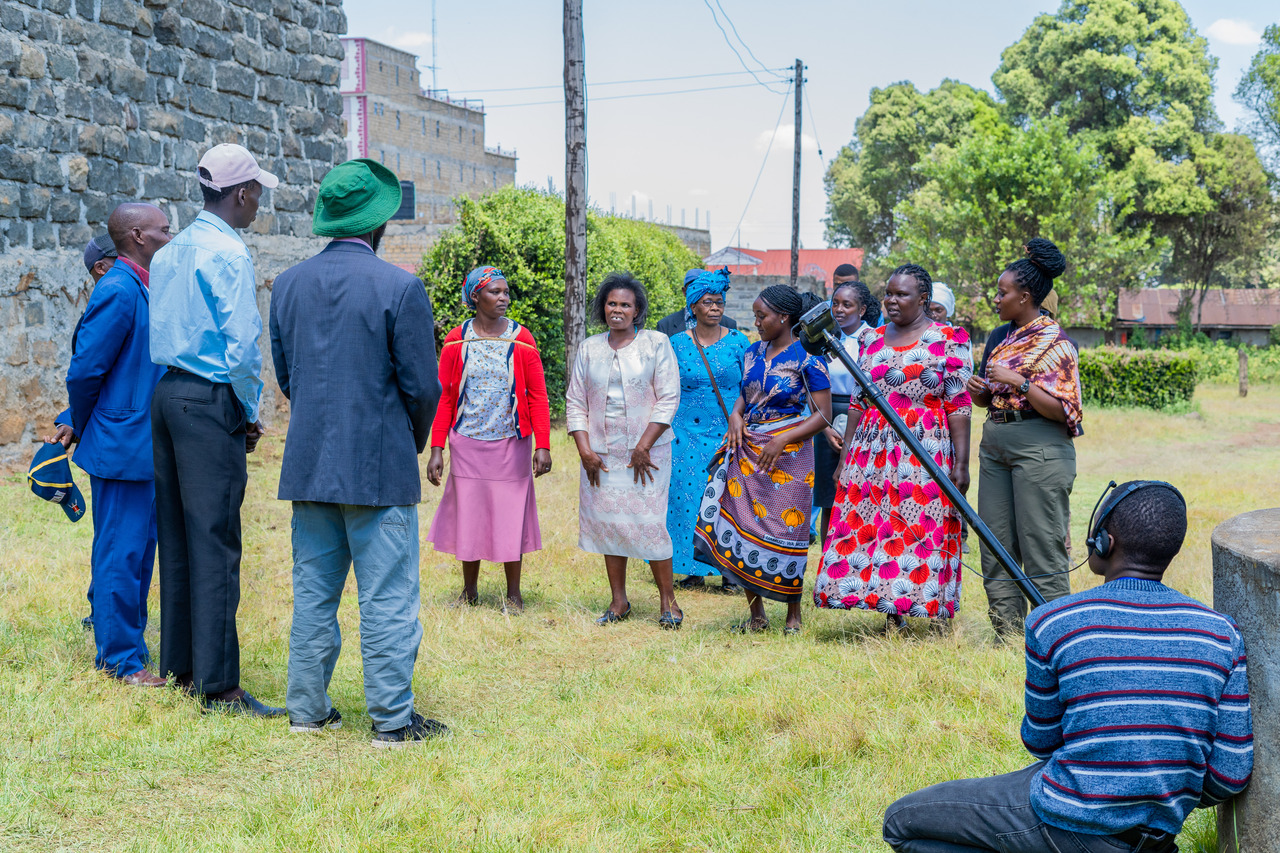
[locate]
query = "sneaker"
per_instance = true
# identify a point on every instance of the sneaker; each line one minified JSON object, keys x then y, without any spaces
{"x":332,"y":720}
{"x":419,"y":729}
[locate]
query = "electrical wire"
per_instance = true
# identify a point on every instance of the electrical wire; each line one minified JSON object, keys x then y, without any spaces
{"x":750,"y":53}
{"x":737,"y":228}
{"x":612,"y":82}
{"x":812,"y":123}
{"x":625,"y":97}
{"x":727,"y":41}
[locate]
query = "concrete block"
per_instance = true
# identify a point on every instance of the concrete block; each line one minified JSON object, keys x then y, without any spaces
{"x":1246,"y":587}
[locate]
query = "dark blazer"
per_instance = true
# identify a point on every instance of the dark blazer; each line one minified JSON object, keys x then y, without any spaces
{"x":354,"y":347}
{"x":673,"y":324}
{"x":111,"y":379}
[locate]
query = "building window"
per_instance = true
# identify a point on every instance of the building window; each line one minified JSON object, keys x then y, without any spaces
{"x":437,"y":170}
{"x":397,"y":75}
{"x":459,"y":135}
{"x":473,"y":174}
{"x":397,"y":119}
{"x":424,"y":167}
{"x":424,"y":129}
{"x":382,"y":157}
{"x":397,"y":161}
{"x":495,"y":177}
{"x":460,"y":168}
{"x":437,"y":128}
{"x":379,"y":66}
{"x":473,"y":136}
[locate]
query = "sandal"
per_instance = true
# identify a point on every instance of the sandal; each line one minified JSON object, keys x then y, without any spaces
{"x":751,"y":626}
{"x":791,"y":630}
{"x":610,"y":617}
{"x":723,"y":588}
{"x":670,"y":622}
{"x":691,"y":582}
{"x":463,"y":601}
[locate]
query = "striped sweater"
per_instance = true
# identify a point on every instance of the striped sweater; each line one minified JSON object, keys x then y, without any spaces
{"x":1138,"y":701}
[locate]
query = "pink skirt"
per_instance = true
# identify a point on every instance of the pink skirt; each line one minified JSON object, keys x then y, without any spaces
{"x":488,"y":510}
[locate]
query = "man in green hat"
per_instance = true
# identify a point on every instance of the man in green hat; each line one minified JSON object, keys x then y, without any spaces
{"x":353,"y":343}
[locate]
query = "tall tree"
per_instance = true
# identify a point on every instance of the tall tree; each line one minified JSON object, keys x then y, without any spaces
{"x":1226,"y":218}
{"x":1259,"y":92}
{"x":999,"y":188}
{"x":876,"y":170}
{"x":1103,"y":64}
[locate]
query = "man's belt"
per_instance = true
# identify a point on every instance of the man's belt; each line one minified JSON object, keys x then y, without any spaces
{"x":1146,"y":840}
{"x":1012,"y":417}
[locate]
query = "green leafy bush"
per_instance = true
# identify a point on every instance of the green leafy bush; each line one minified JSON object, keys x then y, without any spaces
{"x":521,"y":231}
{"x":1218,"y":361}
{"x":1119,"y":376}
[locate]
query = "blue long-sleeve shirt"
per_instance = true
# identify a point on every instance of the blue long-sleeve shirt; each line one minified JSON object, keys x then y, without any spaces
{"x":204,"y":309}
{"x":1137,"y":698}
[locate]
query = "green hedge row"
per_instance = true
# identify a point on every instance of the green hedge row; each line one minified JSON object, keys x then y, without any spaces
{"x":1118,"y":376}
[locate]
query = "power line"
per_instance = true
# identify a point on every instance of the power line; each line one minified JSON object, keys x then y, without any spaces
{"x":608,"y":83}
{"x":814,"y":125}
{"x":737,"y":233}
{"x":750,"y":53}
{"x":727,"y":41}
{"x":624,"y":97}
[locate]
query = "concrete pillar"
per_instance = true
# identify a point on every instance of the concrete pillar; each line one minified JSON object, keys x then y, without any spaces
{"x":1246,"y":587}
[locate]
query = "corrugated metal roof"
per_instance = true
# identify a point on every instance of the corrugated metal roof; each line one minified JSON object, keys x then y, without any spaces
{"x":815,"y":263}
{"x":1224,"y":309}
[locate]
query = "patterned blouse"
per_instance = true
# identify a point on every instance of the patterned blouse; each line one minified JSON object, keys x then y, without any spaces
{"x":776,"y":389}
{"x":486,"y":404}
{"x":1043,"y":353}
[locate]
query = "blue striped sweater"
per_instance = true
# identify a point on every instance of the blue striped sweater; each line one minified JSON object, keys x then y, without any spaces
{"x":1138,"y":701}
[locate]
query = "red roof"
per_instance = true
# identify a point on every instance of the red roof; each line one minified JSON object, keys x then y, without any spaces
{"x":816,"y":263}
{"x":1233,"y":309}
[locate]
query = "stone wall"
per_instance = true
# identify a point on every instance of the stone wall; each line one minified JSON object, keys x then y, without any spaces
{"x":745,"y":288}
{"x":105,"y":101}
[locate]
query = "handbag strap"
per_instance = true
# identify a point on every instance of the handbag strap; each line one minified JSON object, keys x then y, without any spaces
{"x":693,"y":333}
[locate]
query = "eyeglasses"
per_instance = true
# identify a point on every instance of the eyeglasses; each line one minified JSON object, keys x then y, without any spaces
{"x":709,"y":302}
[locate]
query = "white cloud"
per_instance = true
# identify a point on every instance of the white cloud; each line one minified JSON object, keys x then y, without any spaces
{"x":407,"y":40}
{"x":1234,"y":32}
{"x":784,"y":139}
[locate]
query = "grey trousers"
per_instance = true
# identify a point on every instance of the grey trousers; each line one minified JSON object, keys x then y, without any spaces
{"x":1026,"y":471}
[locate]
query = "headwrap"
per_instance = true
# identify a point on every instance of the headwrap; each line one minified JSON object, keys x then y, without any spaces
{"x":477,"y":279}
{"x":943,"y":296}
{"x":709,"y":281}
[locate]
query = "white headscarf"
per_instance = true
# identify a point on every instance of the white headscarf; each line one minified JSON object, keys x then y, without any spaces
{"x":943,"y":296}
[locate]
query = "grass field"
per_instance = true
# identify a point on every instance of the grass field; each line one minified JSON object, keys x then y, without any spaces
{"x":565,"y":736}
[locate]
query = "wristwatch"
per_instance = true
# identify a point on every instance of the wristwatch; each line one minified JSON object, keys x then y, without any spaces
{"x":1025,"y":386}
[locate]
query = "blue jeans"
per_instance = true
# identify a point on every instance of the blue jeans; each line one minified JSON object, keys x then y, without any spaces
{"x":383,"y":544}
{"x":982,"y":815}
{"x":124,"y":558}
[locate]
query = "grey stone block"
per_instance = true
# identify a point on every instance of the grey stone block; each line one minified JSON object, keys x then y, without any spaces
{"x":97,"y":207}
{"x":128,"y":80}
{"x":128,"y":180}
{"x":77,"y":174}
{"x":212,"y":44}
{"x":63,"y":64}
{"x":42,"y":99}
{"x":166,"y":61}
{"x":145,"y":24}
{"x":1246,"y":587}
{"x":33,"y":313}
{"x":74,"y":235}
{"x":284,"y":10}
{"x":249,"y":112}
{"x":106,"y":109}
{"x":305,"y":121}
{"x":44,"y":235}
{"x":167,"y":185}
{"x":208,"y":12}
{"x":198,"y":72}
{"x":10,"y":195}
{"x":236,"y":78}
{"x":73,"y":31}
{"x":33,"y":202}
{"x":143,"y":150}
{"x":77,"y":102}
{"x":169,"y":27}
{"x":308,"y":15}
{"x":18,"y":233}
{"x":63,"y":136}
{"x":14,"y":92}
{"x":48,"y":171}
{"x":42,"y":27}
{"x":186,"y":156}
{"x":13,"y":18}
{"x":233,"y":20}
{"x":93,"y":66}
{"x":6,"y":128}
{"x":249,"y":54}
{"x":213,"y":104}
{"x":194,"y":130}
{"x":57,"y":7}
{"x":31,"y":131}
{"x":297,"y":39}
{"x":272,"y":32}
{"x":121,"y":13}
{"x":64,"y":207}
{"x":16,"y":165}
{"x":104,"y":175}
{"x":287,"y":198}
{"x":160,"y":120}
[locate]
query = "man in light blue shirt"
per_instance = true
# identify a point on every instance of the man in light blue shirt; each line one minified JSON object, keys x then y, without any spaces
{"x":204,"y":419}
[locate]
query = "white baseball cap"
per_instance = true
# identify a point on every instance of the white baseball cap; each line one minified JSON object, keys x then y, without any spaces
{"x":230,"y":164}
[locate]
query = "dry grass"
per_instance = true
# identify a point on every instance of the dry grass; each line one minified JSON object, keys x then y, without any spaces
{"x":566,"y":736}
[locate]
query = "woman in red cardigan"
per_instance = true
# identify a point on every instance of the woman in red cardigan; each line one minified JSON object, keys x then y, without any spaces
{"x":493,"y":409}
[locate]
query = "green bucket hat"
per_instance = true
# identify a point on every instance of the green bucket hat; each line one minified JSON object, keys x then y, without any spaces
{"x":355,"y":198}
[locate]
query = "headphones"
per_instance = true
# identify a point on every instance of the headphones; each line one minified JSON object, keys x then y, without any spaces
{"x":1099,"y":541}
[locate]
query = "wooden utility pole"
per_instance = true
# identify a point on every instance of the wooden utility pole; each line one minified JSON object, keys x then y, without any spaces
{"x":575,"y":184}
{"x":795,"y":183}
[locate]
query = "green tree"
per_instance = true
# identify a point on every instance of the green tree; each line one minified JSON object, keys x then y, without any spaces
{"x":997,"y":189}
{"x":876,"y":170}
{"x":1224,"y":219}
{"x":521,"y":231}
{"x":1110,"y":66}
{"x":1259,"y":91}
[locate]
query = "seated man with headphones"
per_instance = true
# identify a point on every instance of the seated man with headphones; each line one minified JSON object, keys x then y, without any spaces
{"x":1137,"y":705}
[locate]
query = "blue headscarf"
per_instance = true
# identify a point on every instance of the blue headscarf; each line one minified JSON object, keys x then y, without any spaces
{"x":710,"y":281}
{"x":476,"y":280}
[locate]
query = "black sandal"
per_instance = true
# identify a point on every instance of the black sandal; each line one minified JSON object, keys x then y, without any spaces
{"x":670,"y":622}
{"x":610,"y":617}
{"x":751,"y":626}
{"x":691,"y":582}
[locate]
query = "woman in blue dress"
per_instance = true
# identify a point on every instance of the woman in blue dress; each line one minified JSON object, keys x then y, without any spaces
{"x":754,"y":519}
{"x":702,"y":419}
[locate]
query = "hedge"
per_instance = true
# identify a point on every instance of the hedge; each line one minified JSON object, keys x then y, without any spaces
{"x":521,"y":231}
{"x":1118,"y":376}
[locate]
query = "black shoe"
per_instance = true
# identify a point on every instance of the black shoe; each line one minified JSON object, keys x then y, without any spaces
{"x":724,"y":588}
{"x":751,"y":626}
{"x":691,"y":582}
{"x":332,"y":720}
{"x":670,"y":622}
{"x":610,"y":617}
{"x":245,"y":705}
{"x":419,"y":729}
{"x":86,"y":623}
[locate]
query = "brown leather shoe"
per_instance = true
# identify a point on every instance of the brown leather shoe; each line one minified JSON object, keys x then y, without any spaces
{"x":143,"y":678}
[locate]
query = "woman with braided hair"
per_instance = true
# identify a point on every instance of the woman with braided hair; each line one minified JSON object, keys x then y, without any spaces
{"x":753,"y":523}
{"x":894,"y":542}
{"x":1030,"y":384}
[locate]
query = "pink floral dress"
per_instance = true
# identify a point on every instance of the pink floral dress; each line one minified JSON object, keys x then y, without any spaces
{"x":894,"y":541}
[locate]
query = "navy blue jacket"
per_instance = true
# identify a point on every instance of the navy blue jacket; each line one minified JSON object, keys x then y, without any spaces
{"x":111,"y":380}
{"x":353,"y":343}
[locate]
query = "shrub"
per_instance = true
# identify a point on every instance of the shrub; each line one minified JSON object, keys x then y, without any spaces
{"x":1117,"y":376}
{"x":521,"y":231}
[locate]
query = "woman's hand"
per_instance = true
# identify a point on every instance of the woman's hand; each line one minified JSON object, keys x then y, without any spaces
{"x":640,"y":465}
{"x":435,"y":465}
{"x":771,"y":452}
{"x":541,"y":462}
{"x":960,"y":476}
{"x":593,"y":465}
{"x":1005,"y":376}
{"x":835,"y":439}
{"x":737,"y":431}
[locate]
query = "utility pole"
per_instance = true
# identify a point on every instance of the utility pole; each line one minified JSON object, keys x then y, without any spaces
{"x":795,"y":183}
{"x":434,"y":85}
{"x":575,"y":184}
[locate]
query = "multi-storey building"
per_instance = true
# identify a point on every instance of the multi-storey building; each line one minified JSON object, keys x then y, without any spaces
{"x":425,"y":137}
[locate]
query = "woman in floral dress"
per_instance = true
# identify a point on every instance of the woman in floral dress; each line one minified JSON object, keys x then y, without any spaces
{"x":623,"y":394}
{"x":894,"y":543}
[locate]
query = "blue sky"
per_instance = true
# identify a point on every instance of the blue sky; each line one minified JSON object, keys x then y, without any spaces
{"x":703,"y":150}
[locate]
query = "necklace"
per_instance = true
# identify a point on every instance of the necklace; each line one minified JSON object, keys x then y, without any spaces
{"x":718,"y":338}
